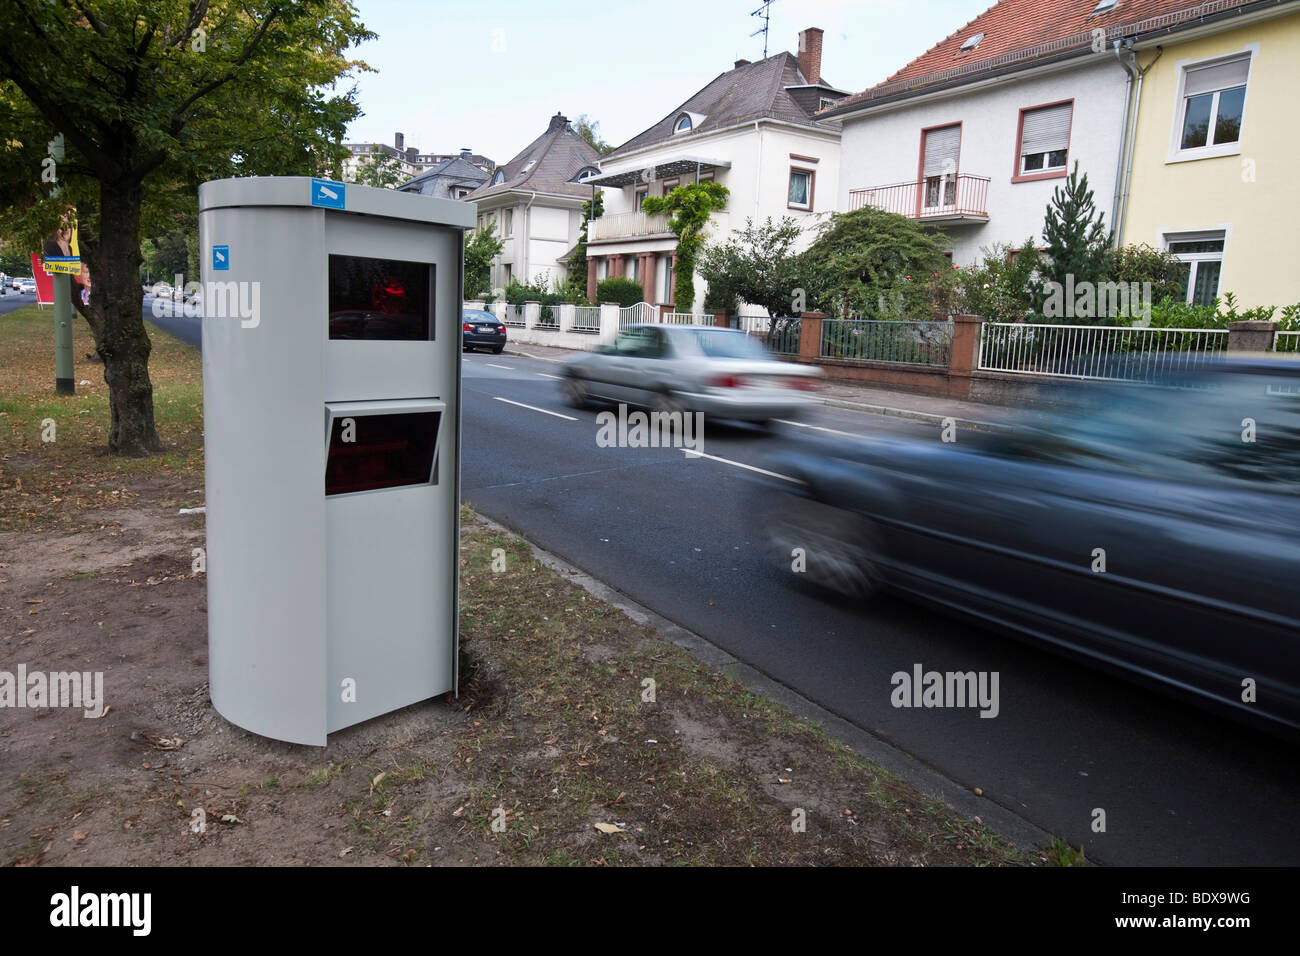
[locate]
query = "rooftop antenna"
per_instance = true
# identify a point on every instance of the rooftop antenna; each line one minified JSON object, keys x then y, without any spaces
{"x":765,"y":12}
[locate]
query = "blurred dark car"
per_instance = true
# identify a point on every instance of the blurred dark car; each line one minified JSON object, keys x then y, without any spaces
{"x":1157,"y":534}
{"x":480,"y":329}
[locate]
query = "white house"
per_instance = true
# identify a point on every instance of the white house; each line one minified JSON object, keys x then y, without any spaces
{"x":535,"y":202}
{"x":975,"y":135}
{"x":752,"y":130}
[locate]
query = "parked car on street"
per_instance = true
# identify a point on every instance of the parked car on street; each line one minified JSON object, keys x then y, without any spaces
{"x":724,"y":373}
{"x":1154,"y":533}
{"x":28,"y":286}
{"x":482,"y":329}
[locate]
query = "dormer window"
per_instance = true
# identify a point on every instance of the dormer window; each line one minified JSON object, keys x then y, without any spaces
{"x":972,"y":42}
{"x":499,"y":177}
{"x":586,"y":173}
{"x":1104,"y":5}
{"x":683,"y":124}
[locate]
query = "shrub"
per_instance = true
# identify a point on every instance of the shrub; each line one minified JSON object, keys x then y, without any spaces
{"x":619,"y":289}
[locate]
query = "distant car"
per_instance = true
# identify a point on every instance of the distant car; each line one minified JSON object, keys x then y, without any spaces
{"x":724,"y":373}
{"x":28,"y":285}
{"x":160,"y":290}
{"x":481,"y":329}
{"x":16,"y":283}
{"x":1153,"y":532}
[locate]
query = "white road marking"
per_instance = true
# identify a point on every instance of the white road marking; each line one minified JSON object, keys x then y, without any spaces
{"x":691,"y":453}
{"x":820,"y":428}
{"x":534,"y":408}
{"x":508,"y":368}
{"x":544,"y":375}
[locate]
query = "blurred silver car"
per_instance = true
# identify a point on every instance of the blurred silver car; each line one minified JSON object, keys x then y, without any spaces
{"x":723,"y":373}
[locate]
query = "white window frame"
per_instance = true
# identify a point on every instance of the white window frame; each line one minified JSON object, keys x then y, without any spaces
{"x":1209,"y":151}
{"x":804,"y":171}
{"x":1167,"y":237}
{"x":677,"y":123}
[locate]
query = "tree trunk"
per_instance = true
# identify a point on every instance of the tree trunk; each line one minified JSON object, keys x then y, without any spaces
{"x":117,"y":321}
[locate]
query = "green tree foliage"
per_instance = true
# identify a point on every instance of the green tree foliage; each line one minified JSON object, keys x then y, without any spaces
{"x":689,"y":208}
{"x":619,"y":289}
{"x":14,"y":261}
{"x":575,"y":288}
{"x":589,"y":130}
{"x":997,"y":289}
{"x":864,"y":258}
{"x":758,"y":265}
{"x":379,"y":168}
{"x":1143,"y":263}
{"x":481,"y":248}
{"x":153,"y":97}
{"x":164,"y":256}
{"x":1076,"y":242}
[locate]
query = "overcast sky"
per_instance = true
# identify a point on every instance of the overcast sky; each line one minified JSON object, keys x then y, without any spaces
{"x":489,"y":74}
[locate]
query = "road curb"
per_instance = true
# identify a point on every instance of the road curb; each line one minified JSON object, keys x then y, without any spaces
{"x":959,"y":797}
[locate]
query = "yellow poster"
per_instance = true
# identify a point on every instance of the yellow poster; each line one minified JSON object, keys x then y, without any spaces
{"x":62,"y":257}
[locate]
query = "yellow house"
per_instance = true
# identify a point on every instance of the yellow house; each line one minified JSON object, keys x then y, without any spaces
{"x":1213,"y":160}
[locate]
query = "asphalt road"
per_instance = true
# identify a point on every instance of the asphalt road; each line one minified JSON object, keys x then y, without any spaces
{"x":1178,"y":786}
{"x":15,"y":300}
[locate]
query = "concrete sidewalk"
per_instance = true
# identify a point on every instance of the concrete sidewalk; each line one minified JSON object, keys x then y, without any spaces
{"x":875,"y":401}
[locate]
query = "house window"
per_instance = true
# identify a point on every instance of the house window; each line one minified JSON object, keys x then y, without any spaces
{"x":670,"y":185}
{"x":1202,"y":257}
{"x":1213,"y":100}
{"x":824,"y":102}
{"x":639,"y":194}
{"x":507,"y":271}
{"x":801,"y":188}
{"x":942,"y":149}
{"x":683,"y":124}
{"x":1045,"y":140}
{"x":508,"y":222}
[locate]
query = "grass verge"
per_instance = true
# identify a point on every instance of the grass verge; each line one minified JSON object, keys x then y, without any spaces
{"x":54,"y":461}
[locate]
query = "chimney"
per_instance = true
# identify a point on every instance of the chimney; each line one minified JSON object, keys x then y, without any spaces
{"x":467,"y":154}
{"x":411,"y":154}
{"x":740,"y":63}
{"x":810,"y":54}
{"x":558,"y":121}
{"x":399,"y":140}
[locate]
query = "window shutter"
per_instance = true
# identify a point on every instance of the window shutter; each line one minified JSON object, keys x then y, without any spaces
{"x":1223,"y":76}
{"x":942,"y":145}
{"x":1046,"y":130}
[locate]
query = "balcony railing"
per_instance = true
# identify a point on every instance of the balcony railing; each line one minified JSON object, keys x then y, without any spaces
{"x":627,"y":225}
{"x":963,"y":197}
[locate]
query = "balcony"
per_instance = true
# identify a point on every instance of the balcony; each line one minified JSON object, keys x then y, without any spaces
{"x":963,"y":198}
{"x":627,"y":225}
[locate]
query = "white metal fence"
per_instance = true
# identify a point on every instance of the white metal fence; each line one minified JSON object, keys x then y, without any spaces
{"x":1096,"y":352}
{"x":688,"y":318}
{"x":548,"y":317}
{"x":636,"y":314}
{"x":586,"y":319}
{"x":515,"y":315}
{"x":1286,"y":342}
{"x":754,"y":324}
{"x":878,"y":340}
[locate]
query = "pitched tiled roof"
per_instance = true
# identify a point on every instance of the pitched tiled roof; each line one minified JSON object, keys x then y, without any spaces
{"x":750,"y":91}
{"x":546,"y":165}
{"x":1024,"y":31}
